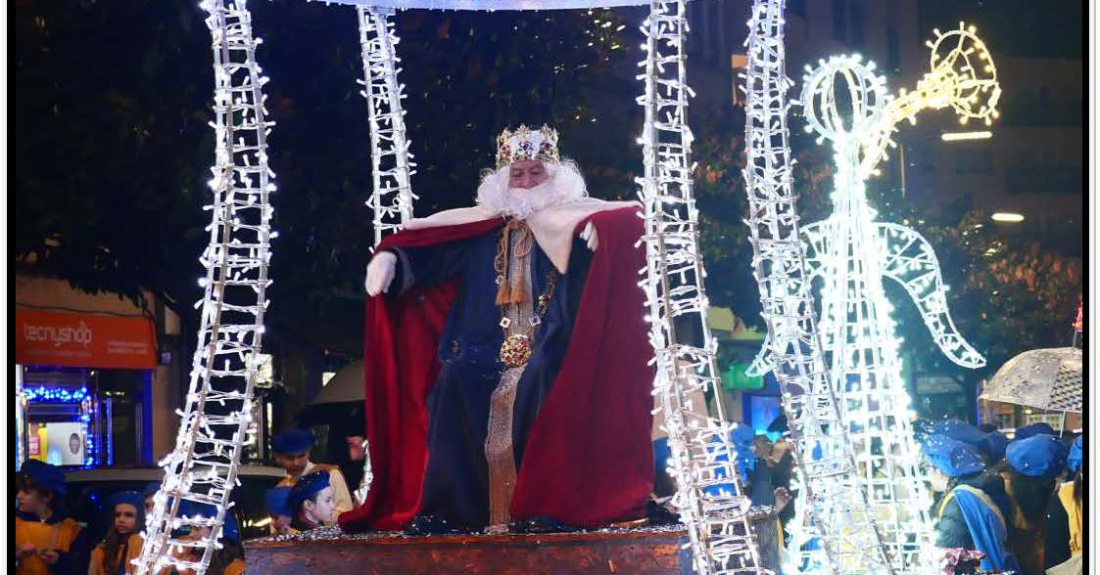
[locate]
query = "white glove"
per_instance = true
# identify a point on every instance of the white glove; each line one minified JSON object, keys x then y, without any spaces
{"x":589,"y":235}
{"x":380,"y":272}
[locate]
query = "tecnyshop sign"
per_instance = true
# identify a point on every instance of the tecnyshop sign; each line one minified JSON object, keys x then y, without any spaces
{"x":84,"y":340}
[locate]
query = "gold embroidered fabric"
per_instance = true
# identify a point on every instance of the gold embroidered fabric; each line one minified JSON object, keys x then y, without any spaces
{"x":499,"y":452}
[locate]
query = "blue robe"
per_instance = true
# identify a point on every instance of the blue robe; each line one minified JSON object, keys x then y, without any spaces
{"x":456,"y":482}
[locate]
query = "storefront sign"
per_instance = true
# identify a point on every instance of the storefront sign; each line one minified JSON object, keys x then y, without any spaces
{"x":84,"y":340}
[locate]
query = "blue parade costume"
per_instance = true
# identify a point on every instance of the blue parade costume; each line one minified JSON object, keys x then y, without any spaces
{"x":970,"y":515}
{"x":456,"y":482}
{"x":1073,"y":461}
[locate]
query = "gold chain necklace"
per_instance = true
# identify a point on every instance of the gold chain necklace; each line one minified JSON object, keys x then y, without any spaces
{"x":517,"y":347}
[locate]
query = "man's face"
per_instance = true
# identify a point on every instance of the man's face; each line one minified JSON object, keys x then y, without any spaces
{"x":355,"y":447}
{"x":937,"y":479}
{"x":322,"y":510}
{"x":74,"y":443}
{"x":526,"y":174}
{"x":148,"y":505}
{"x":125,"y":518}
{"x":33,"y":501}
{"x":293,"y":464}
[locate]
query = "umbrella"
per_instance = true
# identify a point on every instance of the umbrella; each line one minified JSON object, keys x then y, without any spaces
{"x":1047,"y":379}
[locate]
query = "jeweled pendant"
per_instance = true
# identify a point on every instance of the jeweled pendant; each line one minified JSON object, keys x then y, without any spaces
{"x":515,"y":351}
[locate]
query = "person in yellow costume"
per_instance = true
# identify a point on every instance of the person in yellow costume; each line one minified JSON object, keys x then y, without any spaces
{"x":123,"y":542}
{"x":47,"y":541}
{"x":1064,"y":535}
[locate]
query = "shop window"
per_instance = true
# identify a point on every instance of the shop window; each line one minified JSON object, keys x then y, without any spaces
{"x":79,"y":417}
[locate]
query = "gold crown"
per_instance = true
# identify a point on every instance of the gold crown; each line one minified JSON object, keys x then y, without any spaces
{"x":525,"y":144}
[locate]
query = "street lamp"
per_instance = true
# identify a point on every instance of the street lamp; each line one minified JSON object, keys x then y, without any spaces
{"x":1007,"y":217}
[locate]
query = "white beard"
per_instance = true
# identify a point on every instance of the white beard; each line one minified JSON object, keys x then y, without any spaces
{"x":565,"y":184}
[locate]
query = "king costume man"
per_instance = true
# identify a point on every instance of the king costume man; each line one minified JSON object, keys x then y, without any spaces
{"x":506,"y":358}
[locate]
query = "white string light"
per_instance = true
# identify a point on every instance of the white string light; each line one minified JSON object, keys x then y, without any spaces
{"x":833,"y":498}
{"x":216,"y":421}
{"x":392,"y":165}
{"x":702,"y":456}
{"x":852,"y":254}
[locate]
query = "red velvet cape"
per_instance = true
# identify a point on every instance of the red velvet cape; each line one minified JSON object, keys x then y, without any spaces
{"x":589,"y":458}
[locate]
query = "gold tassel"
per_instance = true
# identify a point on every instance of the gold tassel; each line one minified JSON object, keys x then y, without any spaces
{"x":504,"y":295}
{"x":519,"y":294}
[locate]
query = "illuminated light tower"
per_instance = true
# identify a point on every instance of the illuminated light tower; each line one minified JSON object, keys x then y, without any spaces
{"x":853,"y":253}
{"x":216,"y":421}
{"x":832,"y":495}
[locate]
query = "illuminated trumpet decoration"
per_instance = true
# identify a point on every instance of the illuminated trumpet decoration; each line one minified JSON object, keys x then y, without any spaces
{"x":852,"y":254}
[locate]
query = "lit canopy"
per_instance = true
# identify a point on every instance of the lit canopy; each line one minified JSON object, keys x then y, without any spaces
{"x":489,"y":5}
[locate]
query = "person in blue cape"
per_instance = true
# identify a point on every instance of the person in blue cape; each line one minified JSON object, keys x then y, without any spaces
{"x":1034,"y":463}
{"x":968,"y":514}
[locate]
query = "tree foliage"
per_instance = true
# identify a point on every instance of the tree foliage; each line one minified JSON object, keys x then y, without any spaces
{"x":113,"y":101}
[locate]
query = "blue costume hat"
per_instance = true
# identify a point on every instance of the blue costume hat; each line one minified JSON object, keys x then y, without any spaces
{"x":1036,"y":456}
{"x":45,"y":476}
{"x":307,"y":486}
{"x":953,"y":457}
{"x":275,"y":501}
{"x":292,"y":442}
{"x":994,"y":444}
{"x":229,"y":524}
{"x":129,"y":497}
{"x":1073,"y":462}
{"x":959,"y":431}
{"x":150,"y":490}
{"x":1034,"y":429}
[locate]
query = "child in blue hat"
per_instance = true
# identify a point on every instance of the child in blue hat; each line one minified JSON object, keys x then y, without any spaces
{"x":970,"y":511}
{"x":123,"y":542}
{"x":47,"y":540}
{"x":311,"y":502}
{"x":1034,"y":463}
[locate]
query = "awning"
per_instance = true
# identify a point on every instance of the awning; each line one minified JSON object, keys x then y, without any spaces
{"x":84,"y":340}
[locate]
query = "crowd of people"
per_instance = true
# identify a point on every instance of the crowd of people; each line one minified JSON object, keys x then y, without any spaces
{"x":50,"y":542}
{"x":1017,"y":502}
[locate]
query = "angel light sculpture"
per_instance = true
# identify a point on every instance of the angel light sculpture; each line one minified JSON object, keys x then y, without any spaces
{"x":846,"y":103}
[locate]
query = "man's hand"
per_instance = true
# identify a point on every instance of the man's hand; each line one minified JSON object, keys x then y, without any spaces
{"x":380,"y":273}
{"x":589,"y":235}
{"x":782,"y":498}
{"x":50,"y":556}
